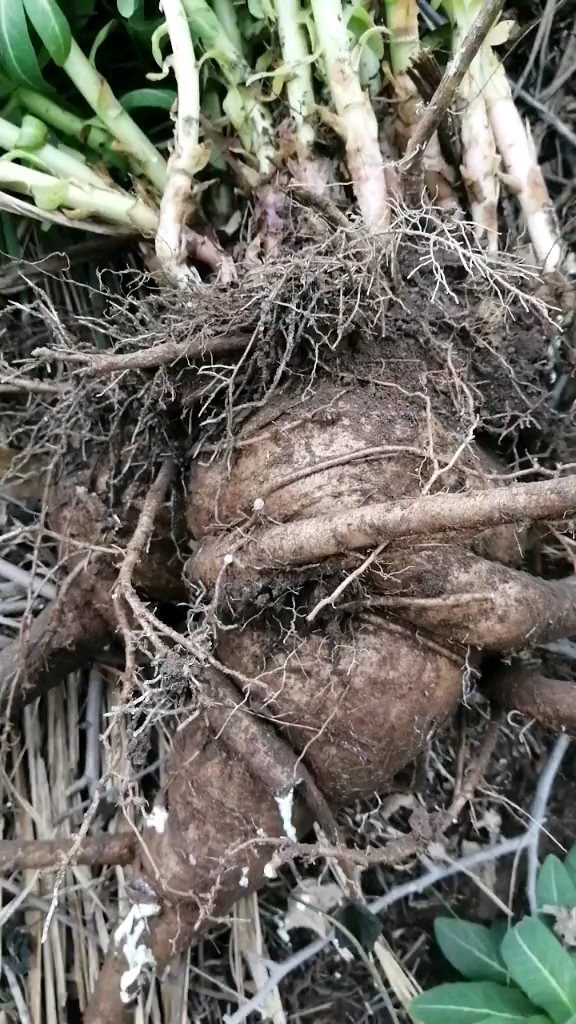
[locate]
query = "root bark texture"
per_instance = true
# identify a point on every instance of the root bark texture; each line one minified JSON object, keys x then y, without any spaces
{"x":476,"y":602}
{"x":68,"y":634}
{"x":312,"y":540}
{"x":519,"y":688}
{"x":36,"y":854}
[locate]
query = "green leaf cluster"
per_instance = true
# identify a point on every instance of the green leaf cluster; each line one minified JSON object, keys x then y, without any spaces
{"x":517,"y":974}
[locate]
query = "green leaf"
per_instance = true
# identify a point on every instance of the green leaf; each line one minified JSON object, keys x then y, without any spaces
{"x":471,"y":948}
{"x":498,"y":929}
{"x":50,"y":197}
{"x":554,"y":886}
{"x":469,"y":1002}
{"x":536,"y":1019}
{"x":570,"y":863}
{"x":100,"y":37}
{"x":52,"y":27}
{"x":17,"y":54}
{"x":360,"y":22}
{"x":127,"y":8}
{"x":33,"y":133}
{"x":541,"y":968}
{"x":163,"y":99}
{"x":262,"y":10}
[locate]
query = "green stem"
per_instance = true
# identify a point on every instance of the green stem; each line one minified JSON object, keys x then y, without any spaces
{"x":358,"y":124}
{"x":402,"y":22}
{"x":295,"y":54}
{"x":208,"y":30}
{"x":98,"y":94}
{"x":58,"y":162}
{"x":226,"y":14}
{"x":49,"y":112}
{"x":248,"y":115}
{"x":171,"y":238}
{"x":64,"y":121}
{"x":85,"y":200}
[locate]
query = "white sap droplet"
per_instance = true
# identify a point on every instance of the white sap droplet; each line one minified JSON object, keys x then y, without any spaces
{"x":285,"y":806}
{"x":157,"y":819}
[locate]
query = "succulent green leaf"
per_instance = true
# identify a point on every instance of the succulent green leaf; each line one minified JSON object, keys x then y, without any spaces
{"x":162,"y":99}
{"x":262,"y":10}
{"x":570,"y":863}
{"x":100,"y":37}
{"x":471,"y":948}
{"x":50,"y":197}
{"x":128,"y":8}
{"x":360,"y":22}
{"x":554,"y":885}
{"x":52,"y":27}
{"x":33,"y":133}
{"x":469,"y":1002}
{"x":536,"y":1019}
{"x":234,"y":108}
{"x":542,"y":968}
{"x":17,"y":54}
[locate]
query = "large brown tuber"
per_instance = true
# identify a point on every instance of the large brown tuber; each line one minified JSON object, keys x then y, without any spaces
{"x":338,"y":670}
{"x":346,"y":697}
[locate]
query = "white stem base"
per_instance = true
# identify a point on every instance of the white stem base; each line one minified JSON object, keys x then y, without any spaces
{"x":176,"y":205}
{"x":358,"y":123}
{"x":480,"y":161}
{"x":296,"y":56}
{"x":520,"y":162}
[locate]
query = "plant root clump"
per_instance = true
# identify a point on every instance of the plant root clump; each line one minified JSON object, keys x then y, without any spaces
{"x":323,"y":395}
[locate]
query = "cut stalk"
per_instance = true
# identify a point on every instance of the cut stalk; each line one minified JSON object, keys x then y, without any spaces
{"x":356,"y":115}
{"x":171,"y":243}
{"x":99,"y":96}
{"x":299,"y":87}
{"x":58,"y":162}
{"x":520,"y":162}
{"x":81,"y":200}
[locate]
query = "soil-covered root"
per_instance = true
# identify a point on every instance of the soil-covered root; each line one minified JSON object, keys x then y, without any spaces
{"x":356,"y":706}
{"x":216,"y":828}
{"x":306,"y":491}
{"x":523,"y":688}
{"x":454,"y":594}
{"x":70,"y":633}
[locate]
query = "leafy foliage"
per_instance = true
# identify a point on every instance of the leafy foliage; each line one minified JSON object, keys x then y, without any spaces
{"x":522,"y":973}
